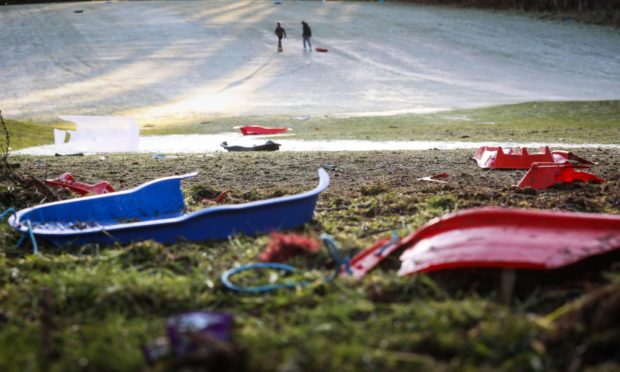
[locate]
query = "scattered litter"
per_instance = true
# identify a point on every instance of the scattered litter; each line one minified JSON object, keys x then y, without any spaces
{"x":508,"y":238}
{"x":331,"y":246}
{"x":436,"y":178}
{"x":321,"y":50}
{"x":156,"y":210}
{"x":510,"y":158}
{"x":78,"y":11}
{"x":67,"y":181}
{"x":218,"y":199}
{"x":520,"y":158}
{"x":281,"y":247}
{"x":98,"y":134}
{"x":250,"y":130}
{"x":544,"y":175}
{"x":369,"y":258}
{"x":560,"y":156}
{"x":194,"y":337}
{"x":267,"y":146}
{"x":75,"y":154}
{"x":329,"y":166}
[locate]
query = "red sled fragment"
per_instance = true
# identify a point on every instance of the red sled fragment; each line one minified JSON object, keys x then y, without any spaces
{"x":436,"y":178}
{"x":250,"y":130}
{"x":509,"y":238}
{"x":510,"y":158}
{"x":321,"y":50}
{"x":544,"y":175}
{"x":67,"y":181}
{"x":369,"y":258}
{"x":561,"y":156}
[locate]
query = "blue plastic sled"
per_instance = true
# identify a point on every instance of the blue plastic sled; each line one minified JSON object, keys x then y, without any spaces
{"x":155,"y":211}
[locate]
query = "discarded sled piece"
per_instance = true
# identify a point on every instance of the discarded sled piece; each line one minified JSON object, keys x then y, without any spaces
{"x":520,"y":158}
{"x":155,"y":210}
{"x":510,"y":158}
{"x":369,"y":258}
{"x":321,"y":50}
{"x":98,"y":134}
{"x":250,"y":130}
{"x":544,"y":175}
{"x":67,"y":181}
{"x":435,"y":178}
{"x":537,"y":240}
{"x":267,"y":146}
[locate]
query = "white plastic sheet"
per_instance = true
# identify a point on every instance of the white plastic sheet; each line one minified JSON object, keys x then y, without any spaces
{"x":98,"y":134}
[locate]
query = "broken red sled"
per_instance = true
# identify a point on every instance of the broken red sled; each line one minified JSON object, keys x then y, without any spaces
{"x":67,"y":181}
{"x":544,"y":175}
{"x":520,"y":158}
{"x":250,"y":130}
{"x":509,"y":238}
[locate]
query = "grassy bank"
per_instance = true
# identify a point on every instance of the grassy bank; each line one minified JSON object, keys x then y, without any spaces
{"x":568,"y":122}
{"x":108,"y":301}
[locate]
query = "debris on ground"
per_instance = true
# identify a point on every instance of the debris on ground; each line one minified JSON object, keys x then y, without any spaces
{"x":543,"y":175}
{"x":281,"y":247}
{"x":68,"y":181}
{"x":509,"y":238}
{"x":267,"y":146}
{"x":251,"y":130}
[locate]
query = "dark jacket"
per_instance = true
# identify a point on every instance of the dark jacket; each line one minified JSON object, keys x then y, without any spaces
{"x":307,"y":32}
{"x":280,"y":31}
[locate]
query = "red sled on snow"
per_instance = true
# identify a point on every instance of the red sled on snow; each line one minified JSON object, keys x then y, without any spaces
{"x":67,"y":181}
{"x":321,"y":50}
{"x":508,"y":238}
{"x":251,"y":130}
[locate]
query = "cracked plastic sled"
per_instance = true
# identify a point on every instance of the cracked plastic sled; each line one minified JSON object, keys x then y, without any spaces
{"x":250,"y":130}
{"x":544,"y":175}
{"x":509,"y":238}
{"x":521,"y":158}
{"x":67,"y":181}
{"x":155,"y":211}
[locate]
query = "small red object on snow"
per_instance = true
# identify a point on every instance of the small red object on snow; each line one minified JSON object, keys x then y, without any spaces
{"x":509,"y":238}
{"x":322,"y":50}
{"x":510,"y":158}
{"x":435,"y":178}
{"x":67,"y":180}
{"x":250,"y":130}
{"x":369,"y":258}
{"x":281,"y":247}
{"x":543,"y":175}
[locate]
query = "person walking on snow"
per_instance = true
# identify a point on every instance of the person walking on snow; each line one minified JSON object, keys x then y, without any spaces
{"x":307,"y":34}
{"x":280,"y":32}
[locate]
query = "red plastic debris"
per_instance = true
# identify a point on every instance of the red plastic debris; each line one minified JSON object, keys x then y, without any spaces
{"x":218,"y":199}
{"x":281,"y":247}
{"x":67,"y":180}
{"x":322,"y":50}
{"x":510,"y":158}
{"x":250,"y":130}
{"x":543,"y":175}
{"x":436,"y":178}
{"x":561,"y":156}
{"x":369,"y":258}
{"x":509,"y":238}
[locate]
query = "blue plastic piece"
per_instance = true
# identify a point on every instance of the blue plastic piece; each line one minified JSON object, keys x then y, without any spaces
{"x":155,"y":211}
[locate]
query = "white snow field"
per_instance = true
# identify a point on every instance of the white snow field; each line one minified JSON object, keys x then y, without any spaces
{"x":169,"y":61}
